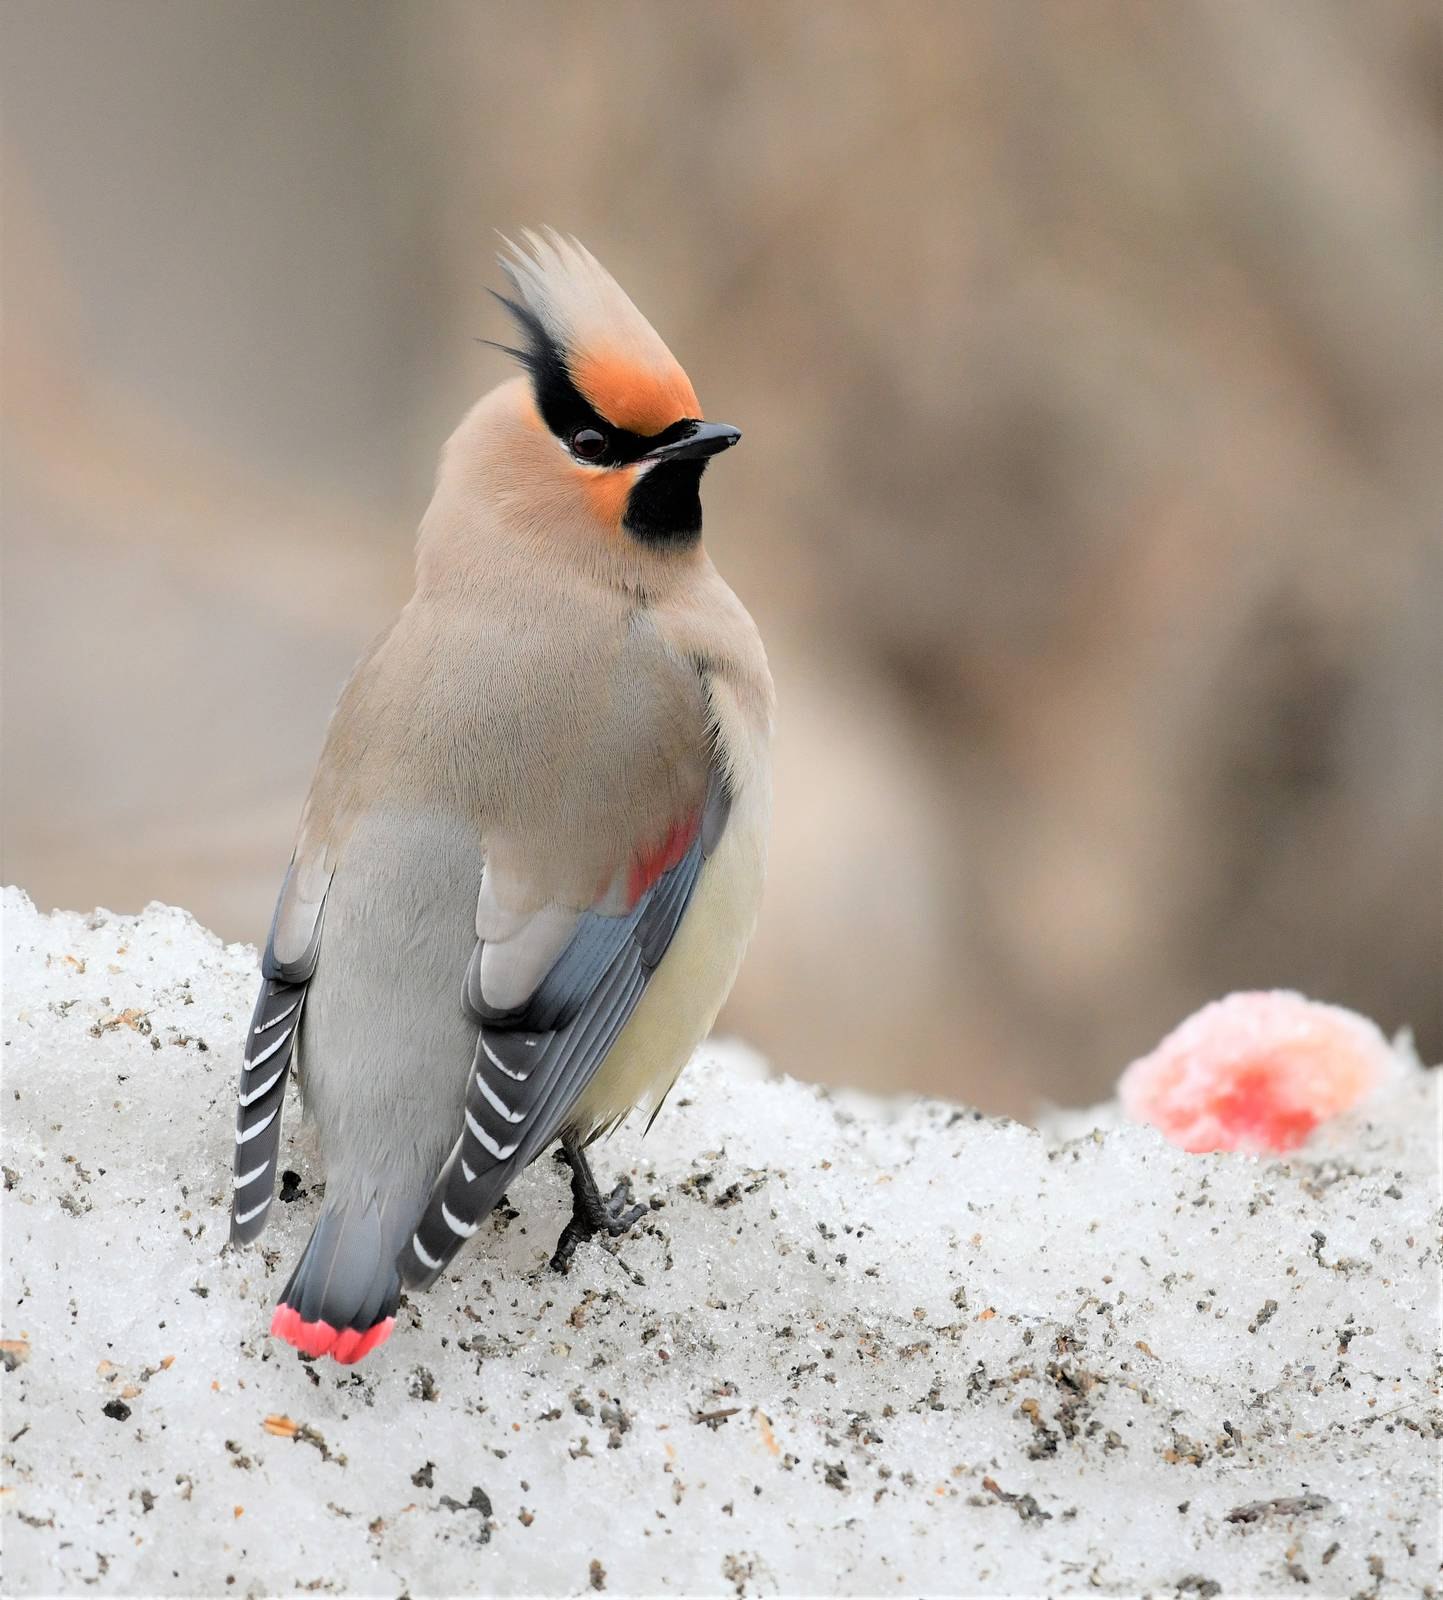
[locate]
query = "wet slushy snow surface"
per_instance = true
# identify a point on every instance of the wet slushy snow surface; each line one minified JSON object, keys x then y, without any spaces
{"x":854,"y":1349}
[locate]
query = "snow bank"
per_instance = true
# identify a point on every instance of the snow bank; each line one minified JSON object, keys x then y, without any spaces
{"x":854,"y":1350}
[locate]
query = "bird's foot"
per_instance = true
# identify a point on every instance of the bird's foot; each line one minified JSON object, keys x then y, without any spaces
{"x":592,"y":1212}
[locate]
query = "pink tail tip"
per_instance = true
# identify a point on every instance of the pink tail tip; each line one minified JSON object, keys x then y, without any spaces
{"x":346,"y":1345}
{"x":366,"y":1341}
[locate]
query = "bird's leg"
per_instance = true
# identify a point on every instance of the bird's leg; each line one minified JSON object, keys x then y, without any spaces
{"x":591,"y":1211}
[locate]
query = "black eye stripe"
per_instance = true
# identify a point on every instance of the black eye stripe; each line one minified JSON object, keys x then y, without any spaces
{"x":564,"y":409}
{"x":677,"y":430}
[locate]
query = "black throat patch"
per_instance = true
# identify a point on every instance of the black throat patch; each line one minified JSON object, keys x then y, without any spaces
{"x":665,"y":507}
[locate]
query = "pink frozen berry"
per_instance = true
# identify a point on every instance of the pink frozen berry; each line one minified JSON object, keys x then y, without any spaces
{"x":1256,"y":1072}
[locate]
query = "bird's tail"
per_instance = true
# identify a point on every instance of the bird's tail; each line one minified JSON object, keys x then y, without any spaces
{"x":341,"y":1299}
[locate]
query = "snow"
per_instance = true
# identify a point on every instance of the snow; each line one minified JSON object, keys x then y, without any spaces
{"x":856,"y":1348}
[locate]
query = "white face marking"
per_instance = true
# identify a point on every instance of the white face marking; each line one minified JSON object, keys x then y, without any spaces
{"x":575,"y":460}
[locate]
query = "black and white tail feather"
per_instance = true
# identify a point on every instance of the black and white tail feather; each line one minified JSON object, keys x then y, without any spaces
{"x":533,"y":1063}
{"x":270,"y":1050}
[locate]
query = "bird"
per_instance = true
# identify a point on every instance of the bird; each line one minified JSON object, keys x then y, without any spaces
{"x":532,"y":853}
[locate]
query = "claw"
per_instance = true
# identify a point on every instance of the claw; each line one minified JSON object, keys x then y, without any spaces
{"x":591,"y":1214}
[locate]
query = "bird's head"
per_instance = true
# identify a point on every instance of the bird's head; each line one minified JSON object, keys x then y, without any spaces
{"x":606,"y":429}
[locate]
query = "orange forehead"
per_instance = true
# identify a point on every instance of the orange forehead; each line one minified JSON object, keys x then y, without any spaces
{"x":641,"y":399}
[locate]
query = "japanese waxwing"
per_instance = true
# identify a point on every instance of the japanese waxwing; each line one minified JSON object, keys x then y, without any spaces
{"x":532,"y":853}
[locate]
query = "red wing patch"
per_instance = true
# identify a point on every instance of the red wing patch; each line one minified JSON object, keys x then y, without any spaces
{"x":660,"y":857}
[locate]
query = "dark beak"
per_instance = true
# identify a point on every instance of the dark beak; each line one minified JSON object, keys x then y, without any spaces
{"x":704,"y":439}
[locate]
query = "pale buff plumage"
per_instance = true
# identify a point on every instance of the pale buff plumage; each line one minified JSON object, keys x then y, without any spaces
{"x":554,"y":697}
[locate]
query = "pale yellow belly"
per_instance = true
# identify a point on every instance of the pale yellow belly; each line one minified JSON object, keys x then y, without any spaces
{"x":695,"y":976}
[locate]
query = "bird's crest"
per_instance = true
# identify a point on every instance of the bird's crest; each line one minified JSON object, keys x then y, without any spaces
{"x":580,"y":324}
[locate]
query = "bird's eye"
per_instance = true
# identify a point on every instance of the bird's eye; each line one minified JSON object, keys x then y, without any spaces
{"x":588,"y":444}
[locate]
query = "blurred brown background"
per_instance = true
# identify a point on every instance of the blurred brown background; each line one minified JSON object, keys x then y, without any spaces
{"x":1088,"y":360}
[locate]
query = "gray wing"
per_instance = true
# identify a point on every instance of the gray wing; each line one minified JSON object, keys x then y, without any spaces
{"x":533,"y":1061}
{"x":286,"y":969}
